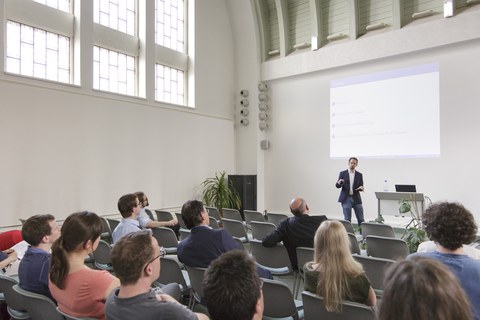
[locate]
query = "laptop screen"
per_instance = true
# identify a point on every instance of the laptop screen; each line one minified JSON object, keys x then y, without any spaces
{"x":405,"y":188}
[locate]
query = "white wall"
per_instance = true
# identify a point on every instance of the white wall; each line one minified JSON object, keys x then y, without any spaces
{"x":298,"y":161}
{"x":66,"y":148}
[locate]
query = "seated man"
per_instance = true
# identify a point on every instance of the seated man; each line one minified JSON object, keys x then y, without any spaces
{"x":40,"y":232}
{"x":297,"y":231}
{"x":146,"y":222}
{"x":129,"y":208}
{"x":451,"y":226}
{"x":136,"y":260}
{"x":232,"y":288}
{"x":204,"y":244}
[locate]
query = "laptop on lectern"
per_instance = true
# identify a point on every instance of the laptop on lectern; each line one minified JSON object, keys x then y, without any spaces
{"x":405,"y":188}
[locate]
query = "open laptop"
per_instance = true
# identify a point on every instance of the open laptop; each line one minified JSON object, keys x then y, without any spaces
{"x":405,"y":188}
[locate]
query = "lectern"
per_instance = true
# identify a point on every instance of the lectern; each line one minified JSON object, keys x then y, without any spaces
{"x":385,"y":201}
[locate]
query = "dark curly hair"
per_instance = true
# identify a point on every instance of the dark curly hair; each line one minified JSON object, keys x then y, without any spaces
{"x":449,"y":224}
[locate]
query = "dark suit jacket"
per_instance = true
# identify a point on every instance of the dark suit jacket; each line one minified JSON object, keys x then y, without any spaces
{"x":357,"y":182}
{"x":295,"y":232}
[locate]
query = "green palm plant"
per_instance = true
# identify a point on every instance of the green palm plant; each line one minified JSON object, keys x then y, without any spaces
{"x":219,"y":193}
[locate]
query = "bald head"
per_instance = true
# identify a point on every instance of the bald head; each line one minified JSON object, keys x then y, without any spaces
{"x":298,"y":206}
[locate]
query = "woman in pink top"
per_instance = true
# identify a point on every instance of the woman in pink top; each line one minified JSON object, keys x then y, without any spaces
{"x":79,"y":290}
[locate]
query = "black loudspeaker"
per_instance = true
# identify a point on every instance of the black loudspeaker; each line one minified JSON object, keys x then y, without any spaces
{"x":246,"y":186}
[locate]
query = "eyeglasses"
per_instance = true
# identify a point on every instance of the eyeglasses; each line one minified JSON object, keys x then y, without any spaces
{"x":162,"y":254}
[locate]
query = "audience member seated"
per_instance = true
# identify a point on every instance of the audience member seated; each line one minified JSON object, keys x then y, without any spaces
{"x":7,"y":257}
{"x":9,"y":238}
{"x":297,"y":231}
{"x":334,"y":274}
{"x":232,"y":288}
{"x":146,"y":222}
{"x":450,"y":226}
{"x":129,"y":208}
{"x":421,"y":288}
{"x":430,"y":246}
{"x":79,"y":290}
{"x":205,"y":244}
{"x":40,"y":232}
{"x":136,"y":261}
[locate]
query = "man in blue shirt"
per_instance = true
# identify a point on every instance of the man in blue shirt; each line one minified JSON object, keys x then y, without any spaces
{"x":129,"y":208}
{"x":39,"y":231}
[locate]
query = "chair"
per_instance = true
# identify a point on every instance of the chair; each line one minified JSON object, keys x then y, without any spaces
{"x":214,"y":223}
{"x":106,"y":232}
{"x":377,"y":229}
{"x":149,"y":214}
{"x":113,"y":223}
{"x":276,"y":218}
{"x":304,"y":255}
{"x":166,"y":238}
{"x":314,"y":309}
{"x":347,"y":224}
{"x":39,"y":307}
{"x":236,"y":229}
{"x":15,"y":302}
{"x":171,"y":272}
{"x":354,"y":247}
{"x":180,"y":220}
{"x":239,"y":242}
{"x":213,"y":212}
{"x":387,"y":248}
{"x":233,"y":214}
{"x":184,"y":233}
{"x":375,"y":270}
{"x":253,"y":216}
{"x":103,"y":260}
{"x":163,"y":215}
{"x":69,"y":317}
{"x":278,"y":301}
{"x":196,"y":281}
{"x":261,"y":229}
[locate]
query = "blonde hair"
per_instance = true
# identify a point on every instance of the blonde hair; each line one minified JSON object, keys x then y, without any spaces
{"x":335,"y":264}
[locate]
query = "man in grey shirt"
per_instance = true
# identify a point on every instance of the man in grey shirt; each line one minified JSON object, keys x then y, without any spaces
{"x":136,"y":260}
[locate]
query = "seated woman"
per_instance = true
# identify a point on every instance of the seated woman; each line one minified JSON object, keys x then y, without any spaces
{"x":334,"y":274}
{"x":79,"y":290}
{"x":421,"y":288}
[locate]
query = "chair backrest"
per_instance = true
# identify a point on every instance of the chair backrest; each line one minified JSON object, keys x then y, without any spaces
{"x":304,"y":255}
{"x":354,"y":247}
{"x":387,"y":248}
{"x":374,"y":269}
{"x":348,"y":225}
{"x":149,"y":214}
{"x":15,"y":301}
{"x":214,"y":223}
{"x":39,"y":307}
{"x":166,"y":238}
{"x":233,"y":214}
{"x":239,"y":242}
{"x":276,"y":218}
{"x":180,"y":220}
{"x":272,"y":258}
{"x":103,"y":260}
{"x":314,"y":308}
{"x":113,"y":223}
{"x":213,"y":212}
{"x":278,"y":300}
{"x":69,"y":317}
{"x":106,"y":232}
{"x":251,"y":215}
{"x":196,"y":281}
{"x":377,"y":229}
{"x":184,"y":233}
{"x":171,"y":272}
{"x":163,"y":215}
{"x":261,"y":229}
{"x":235,"y":228}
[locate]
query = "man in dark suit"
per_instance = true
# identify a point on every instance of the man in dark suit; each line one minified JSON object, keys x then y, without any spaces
{"x":296,"y":231}
{"x":351,"y":182}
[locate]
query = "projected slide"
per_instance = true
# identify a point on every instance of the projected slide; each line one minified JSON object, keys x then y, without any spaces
{"x":394,"y":113}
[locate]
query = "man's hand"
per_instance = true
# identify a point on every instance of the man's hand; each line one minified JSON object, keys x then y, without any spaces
{"x":359,"y":188}
{"x":340,"y":182}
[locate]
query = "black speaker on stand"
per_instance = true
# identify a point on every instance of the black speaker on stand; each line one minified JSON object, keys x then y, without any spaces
{"x":246,"y":186}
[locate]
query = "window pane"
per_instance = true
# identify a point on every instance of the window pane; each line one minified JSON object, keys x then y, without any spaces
{"x":169,"y":85}
{"x":115,"y":14}
{"x":170,"y":24}
{"x":113,"y":71}
{"x":63,"y":5}
{"x":37,"y":53}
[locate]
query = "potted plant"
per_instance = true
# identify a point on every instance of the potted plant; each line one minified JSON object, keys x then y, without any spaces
{"x":217,"y":192}
{"x":414,"y":233}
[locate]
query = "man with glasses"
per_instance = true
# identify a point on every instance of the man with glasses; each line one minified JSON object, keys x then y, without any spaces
{"x":146,"y":222}
{"x":129,"y":208}
{"x":136,"y":260}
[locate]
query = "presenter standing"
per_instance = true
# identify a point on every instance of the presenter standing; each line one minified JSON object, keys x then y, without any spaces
{"x":351,"y":183}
